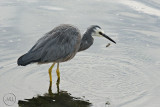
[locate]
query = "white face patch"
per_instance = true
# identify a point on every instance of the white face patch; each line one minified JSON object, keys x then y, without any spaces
{"x":96,"y":32}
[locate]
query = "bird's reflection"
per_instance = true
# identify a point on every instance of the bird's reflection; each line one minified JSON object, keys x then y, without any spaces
{"x":59,"y":99}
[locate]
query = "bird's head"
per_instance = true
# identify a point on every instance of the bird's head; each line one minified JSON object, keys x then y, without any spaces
{"x":97,"y":31}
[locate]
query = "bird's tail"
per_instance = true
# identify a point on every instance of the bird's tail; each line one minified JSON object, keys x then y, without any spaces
{"x":26,"y":59}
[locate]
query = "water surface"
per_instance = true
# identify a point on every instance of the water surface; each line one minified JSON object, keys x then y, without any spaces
{"x":125,"y":75}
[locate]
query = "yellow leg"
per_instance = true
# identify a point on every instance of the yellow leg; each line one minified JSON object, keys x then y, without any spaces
{"x":58,"y":73}
{"x":58,"y":82}
{"x":50,"y":72}
{"x":50,"y":88}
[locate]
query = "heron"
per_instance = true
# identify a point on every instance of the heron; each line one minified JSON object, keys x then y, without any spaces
{"x":59,"y":45}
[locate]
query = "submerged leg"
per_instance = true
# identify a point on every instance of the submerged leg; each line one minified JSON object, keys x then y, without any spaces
{"x":58,"y":82}
{"x":58,"y":73}
{"x":50,"y":88}
{"x":50,"y":72}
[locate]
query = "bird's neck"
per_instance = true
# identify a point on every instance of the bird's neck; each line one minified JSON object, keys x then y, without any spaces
{"x":86,"y":41}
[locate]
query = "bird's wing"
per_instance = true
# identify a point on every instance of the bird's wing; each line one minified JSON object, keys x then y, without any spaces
{"x":43,"y":40}
{"x":57,"y":44}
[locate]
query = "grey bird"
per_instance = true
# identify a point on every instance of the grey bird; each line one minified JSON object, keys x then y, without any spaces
{"x":59,"y":45}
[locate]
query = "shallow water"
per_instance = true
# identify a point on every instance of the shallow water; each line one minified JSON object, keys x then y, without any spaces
{"x":125,"y":75}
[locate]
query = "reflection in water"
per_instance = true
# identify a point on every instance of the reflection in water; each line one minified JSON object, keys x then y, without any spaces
{"x":59,"y":99}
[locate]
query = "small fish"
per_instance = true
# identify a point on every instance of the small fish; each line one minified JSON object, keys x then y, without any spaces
{"x":108,"y":45}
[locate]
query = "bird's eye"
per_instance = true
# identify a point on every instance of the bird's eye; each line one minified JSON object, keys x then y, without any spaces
{"x":100,"y":33}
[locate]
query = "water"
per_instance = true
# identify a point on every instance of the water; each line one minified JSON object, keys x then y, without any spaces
{"x":122,"y":75}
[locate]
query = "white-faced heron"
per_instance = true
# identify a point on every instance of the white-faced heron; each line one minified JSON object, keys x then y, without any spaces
{"x":60,"y":45}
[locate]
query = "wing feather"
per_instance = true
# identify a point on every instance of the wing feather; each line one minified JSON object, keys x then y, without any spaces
{"x":58,"y":44}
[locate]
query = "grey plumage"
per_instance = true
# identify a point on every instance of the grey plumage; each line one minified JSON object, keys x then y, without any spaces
{"x":87,"y":39}
{"x":58,"y":45}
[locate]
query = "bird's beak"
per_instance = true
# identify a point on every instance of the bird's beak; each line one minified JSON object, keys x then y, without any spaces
{"x":104,"y":35}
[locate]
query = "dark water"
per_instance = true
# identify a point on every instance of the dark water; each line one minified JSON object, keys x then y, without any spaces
{"x":122,"y":75}
{"x":58,"y":99}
